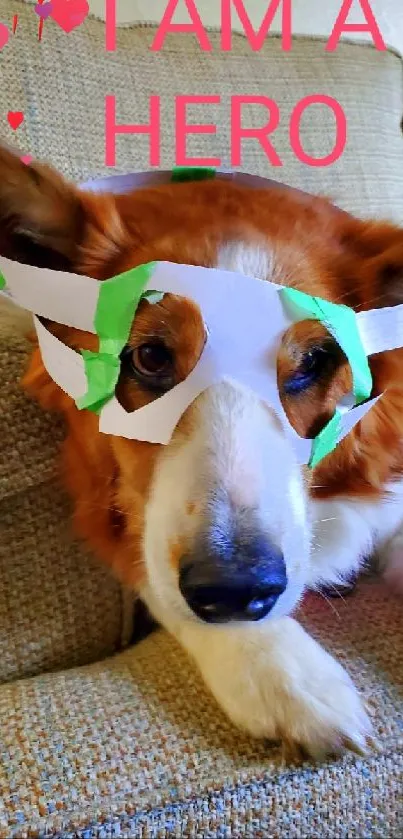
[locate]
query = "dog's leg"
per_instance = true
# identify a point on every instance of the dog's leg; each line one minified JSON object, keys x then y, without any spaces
{"x":274,"y":681}
{"x":343,"y":538}
{"x":346,"y":533}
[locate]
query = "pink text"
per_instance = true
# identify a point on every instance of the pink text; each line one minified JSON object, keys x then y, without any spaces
{"x":240,"y":133}
{"x":256,"y":39}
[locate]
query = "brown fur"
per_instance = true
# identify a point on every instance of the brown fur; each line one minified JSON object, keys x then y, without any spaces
{"x":316,"y":248}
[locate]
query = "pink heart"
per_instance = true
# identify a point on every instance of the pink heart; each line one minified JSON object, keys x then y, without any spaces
{"x":69,"y":14}
{"x":15,"y":119}
{"x":4,"y":35}
{"x":27,"y":159}
{"x":43,"y":10}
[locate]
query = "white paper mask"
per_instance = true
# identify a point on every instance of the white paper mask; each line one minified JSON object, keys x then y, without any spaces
{"x":241,"y":344}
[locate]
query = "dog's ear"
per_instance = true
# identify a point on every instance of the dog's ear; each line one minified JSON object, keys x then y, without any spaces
{"x":48,"y":222}
{"x":41,"y":214}
{"x":371,"y":263}
{"x":386,"y":261}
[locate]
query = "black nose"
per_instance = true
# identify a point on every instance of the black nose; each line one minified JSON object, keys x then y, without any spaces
{"x":234,"y":582}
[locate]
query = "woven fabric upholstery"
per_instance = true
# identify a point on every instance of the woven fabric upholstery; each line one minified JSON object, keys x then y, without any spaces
{"x":58,"y":606}
{"x":133,"y":746}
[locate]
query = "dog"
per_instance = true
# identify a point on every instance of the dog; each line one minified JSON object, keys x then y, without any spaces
{"x":221,"y":531}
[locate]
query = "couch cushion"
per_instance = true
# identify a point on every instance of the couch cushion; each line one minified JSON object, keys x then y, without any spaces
{"x":30,"y":438}
{"x":58,"y":606}
{"x":63,"y":86}
{"x":135,"y":746}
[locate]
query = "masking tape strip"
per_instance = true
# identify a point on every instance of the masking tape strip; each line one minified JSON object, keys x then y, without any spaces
{"x":117,"y":304}
{"x":326,"y":440}
{"x":337,"y":429}
{"x":192,"y":173}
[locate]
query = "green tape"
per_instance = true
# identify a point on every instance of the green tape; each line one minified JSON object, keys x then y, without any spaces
{"x":341,"y":322}
{"x":102,"y":371}
{"x":2,"y":281}
{"x":324,"y":443}
{"x":192,"y":173}
{"x":118,"y":300}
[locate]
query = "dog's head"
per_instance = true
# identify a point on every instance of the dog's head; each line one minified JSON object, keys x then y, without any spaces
{"x":217,"y":523}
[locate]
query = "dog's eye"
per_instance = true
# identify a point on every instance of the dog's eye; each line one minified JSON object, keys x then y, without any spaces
{"x":314,"y":365}
{"x":152,"y":359}
{"x":151,"y":364}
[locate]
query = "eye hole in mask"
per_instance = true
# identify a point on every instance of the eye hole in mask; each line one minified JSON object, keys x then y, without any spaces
{"x":313,"y":375}
{"x":166,"y":341}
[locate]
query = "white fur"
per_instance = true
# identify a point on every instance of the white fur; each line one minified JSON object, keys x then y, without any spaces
{"x":274,"y":681}
{"x":222,"y":452}
{"x":271,"y":678}
{"x":347,"y":532}
{"x":389,"y":554}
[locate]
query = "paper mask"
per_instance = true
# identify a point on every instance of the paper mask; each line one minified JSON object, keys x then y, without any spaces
{"x":241,"y":346}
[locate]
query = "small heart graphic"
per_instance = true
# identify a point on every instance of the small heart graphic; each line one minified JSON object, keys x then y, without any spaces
{"x":43,"y":10}
{"x":69,"y":14}
{"x":15,"y":119}
{"x":4,"y":35}
{"x":27,"y":159}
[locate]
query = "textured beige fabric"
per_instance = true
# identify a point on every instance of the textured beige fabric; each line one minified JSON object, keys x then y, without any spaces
{"x":134,"y":748}
{"x":29,"y":437}
{"x":62,"y":88}
{"x":58,"y":606}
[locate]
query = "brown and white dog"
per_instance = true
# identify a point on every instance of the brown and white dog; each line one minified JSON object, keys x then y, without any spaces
{"x":222,"y":528}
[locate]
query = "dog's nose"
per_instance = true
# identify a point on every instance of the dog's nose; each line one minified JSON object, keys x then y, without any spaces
{"x":233,"y":582}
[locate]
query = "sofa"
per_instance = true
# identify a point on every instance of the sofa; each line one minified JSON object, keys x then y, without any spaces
{"x":106,"y":729}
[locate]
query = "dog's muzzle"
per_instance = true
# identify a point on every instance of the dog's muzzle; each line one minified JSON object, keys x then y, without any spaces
{"x":234,"y":572}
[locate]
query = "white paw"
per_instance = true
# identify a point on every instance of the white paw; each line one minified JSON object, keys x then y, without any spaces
{"x":274,"y":681}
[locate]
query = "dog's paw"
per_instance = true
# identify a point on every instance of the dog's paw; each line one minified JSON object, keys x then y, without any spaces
{"x":274,"y":681}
